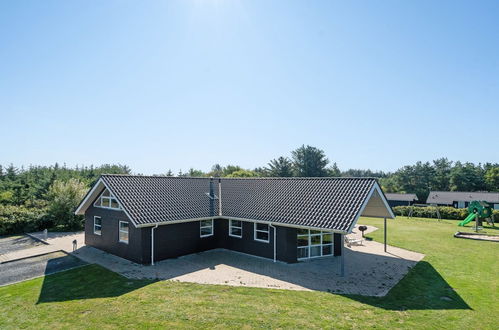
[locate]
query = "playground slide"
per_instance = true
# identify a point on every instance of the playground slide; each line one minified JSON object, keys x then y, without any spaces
{"x":468,"y":219}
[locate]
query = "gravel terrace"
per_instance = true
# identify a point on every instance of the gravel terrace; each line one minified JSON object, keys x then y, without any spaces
{"x":369,"y":270}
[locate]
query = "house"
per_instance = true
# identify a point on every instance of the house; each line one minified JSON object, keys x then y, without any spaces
{"x":461,"y":199}
{"x":286,"y":219}
{"x":401,"y":199}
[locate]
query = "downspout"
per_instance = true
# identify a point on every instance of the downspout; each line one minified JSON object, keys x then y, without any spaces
{"x":219,"y":197}
{"x":272,"y":226}
{"x":152,"y":244}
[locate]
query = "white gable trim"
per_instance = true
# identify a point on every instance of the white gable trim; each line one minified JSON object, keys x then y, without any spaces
{"x":374,"y":188}
{"x":92,"y":194}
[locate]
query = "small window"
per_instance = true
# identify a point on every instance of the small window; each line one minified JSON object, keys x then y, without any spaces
{"x":123,"y":232}
{"x":205,"y":228}
{"x":236,"y":228}
{"x":107,"y":200}
{"x":262,"y":232}
{"x":97,"y":225}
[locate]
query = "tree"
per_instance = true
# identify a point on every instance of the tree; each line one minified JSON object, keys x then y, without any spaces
{"x":466,"y":177}
{"x":64,"y":197}
{"x":441,"y":180}
{"x":309,"y":161}
{"x":415,"y":179}
{"x":242,"y":174}
{"x":195,"y":173}
{"x":492,"y":178}
{"x":280,"y":167}
{"x":216,"y":170}
{"x":333,"y":171}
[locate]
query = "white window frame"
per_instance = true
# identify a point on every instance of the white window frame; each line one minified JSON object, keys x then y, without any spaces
{"x":461,"y":204}
{"x":255,"y":231}
{"x":100,"y":226}
{"x":122,"y":231}
{"x":321,"y":245}
{"x":111,"y":198}
{"x":201,"y":228}
{"x":236,"y":227}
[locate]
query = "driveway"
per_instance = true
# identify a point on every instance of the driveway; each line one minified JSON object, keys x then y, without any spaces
{"x":15,"y":243}
{"x":24,"y":269}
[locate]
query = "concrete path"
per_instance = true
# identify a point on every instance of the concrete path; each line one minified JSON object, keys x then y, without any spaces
{"x":369,"y":270}
{"x":36,"y":247}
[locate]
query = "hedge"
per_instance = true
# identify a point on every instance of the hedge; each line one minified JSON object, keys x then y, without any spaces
{"x":20,"y":219}
{"x":446,"y":212}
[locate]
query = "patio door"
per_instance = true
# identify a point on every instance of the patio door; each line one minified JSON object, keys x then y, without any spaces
{"x":314,"y":243}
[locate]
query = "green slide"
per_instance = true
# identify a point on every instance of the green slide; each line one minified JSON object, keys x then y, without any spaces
{"x":468,"y":219}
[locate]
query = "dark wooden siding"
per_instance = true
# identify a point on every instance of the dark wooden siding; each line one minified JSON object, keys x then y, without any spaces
{"x":109,"y":239}
{"x":179,"y":239}
{"x":394,"y":203}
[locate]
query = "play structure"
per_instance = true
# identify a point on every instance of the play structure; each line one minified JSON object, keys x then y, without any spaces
{"x":478,"y":210}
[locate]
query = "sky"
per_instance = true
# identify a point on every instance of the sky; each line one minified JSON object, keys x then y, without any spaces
{"x":160,"y":85}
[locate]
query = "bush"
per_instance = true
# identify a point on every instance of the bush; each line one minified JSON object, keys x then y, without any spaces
{"x":446,"y":212}
{"x":64,"y":197}
{"x":20,"y":219}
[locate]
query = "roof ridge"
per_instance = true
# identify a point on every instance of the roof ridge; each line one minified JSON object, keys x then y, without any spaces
{"x":249,"y":178}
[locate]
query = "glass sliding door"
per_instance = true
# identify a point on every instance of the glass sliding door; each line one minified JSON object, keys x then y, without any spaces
{"x":313,"y":243}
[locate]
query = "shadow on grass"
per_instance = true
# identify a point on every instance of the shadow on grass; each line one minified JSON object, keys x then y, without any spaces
{"x":422,"y":288}
{"x":86,"y":282}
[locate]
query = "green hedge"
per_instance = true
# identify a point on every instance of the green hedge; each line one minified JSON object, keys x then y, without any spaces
{"x":20,"y":219}
{"x":446,"y":212}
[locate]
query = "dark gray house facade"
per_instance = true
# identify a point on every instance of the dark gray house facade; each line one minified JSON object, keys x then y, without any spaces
{"x":150,"y":218}
{"x":461,"y":199}
{"x":401,"y":199}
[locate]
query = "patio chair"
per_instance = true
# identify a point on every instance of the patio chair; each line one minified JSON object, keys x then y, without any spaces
{"x":353,"y":241}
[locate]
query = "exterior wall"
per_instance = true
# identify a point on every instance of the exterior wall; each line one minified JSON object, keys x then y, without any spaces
{"x":394,"y":203}
{"x":171,"y":241}
{"x":175,"y":240}
{"x":109,"y":239}
{"x":337,"y":242}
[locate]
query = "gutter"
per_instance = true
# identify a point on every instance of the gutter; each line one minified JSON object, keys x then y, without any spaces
{"x":224,"y":217}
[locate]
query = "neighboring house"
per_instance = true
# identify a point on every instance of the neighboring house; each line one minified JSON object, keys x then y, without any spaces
{"x":287,"y":219}
{"x":460,"y":199}
{"x":401,"y":199}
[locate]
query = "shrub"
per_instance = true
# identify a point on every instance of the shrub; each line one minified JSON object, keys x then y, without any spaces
{"x":446,"y":212}
{"x":64,"y":197}
{"x":18,"y":219}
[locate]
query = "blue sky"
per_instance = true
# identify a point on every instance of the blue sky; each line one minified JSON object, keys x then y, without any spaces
{"x":161,"y":85}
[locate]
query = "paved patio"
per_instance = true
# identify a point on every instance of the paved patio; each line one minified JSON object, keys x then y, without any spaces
{"x":369,"y":270}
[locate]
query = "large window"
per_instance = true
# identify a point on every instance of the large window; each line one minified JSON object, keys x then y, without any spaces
{"x":236,"y":228}
{"x":107,"y":200}
{"x":123,"y":232}
{"x":262,"y":232}
{"x":314,"y":243}
{"x":205,"y":228}
{"x":97,"y":225}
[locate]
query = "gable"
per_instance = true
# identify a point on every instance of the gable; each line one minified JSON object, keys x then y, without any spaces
{"x":326,"y":203}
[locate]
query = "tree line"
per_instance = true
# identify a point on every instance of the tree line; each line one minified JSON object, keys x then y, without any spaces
{"x":38,"y":197}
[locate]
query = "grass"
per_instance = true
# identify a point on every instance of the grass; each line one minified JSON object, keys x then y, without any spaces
{"x":454,"y":287}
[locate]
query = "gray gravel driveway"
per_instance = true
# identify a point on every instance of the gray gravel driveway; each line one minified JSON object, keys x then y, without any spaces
{"x":16,"y":243}
{"x":24,"y":269}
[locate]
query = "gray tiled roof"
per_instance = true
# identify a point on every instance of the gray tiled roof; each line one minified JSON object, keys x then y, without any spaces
{"x":329,"y":203}
{"x":401,"y":197}
{"x":448,"y":197}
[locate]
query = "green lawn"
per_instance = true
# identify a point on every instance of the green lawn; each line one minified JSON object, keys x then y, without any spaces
{"x":454,"y":287}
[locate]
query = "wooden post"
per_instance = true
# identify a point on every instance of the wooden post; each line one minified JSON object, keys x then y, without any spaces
{"x":385,"y":232}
